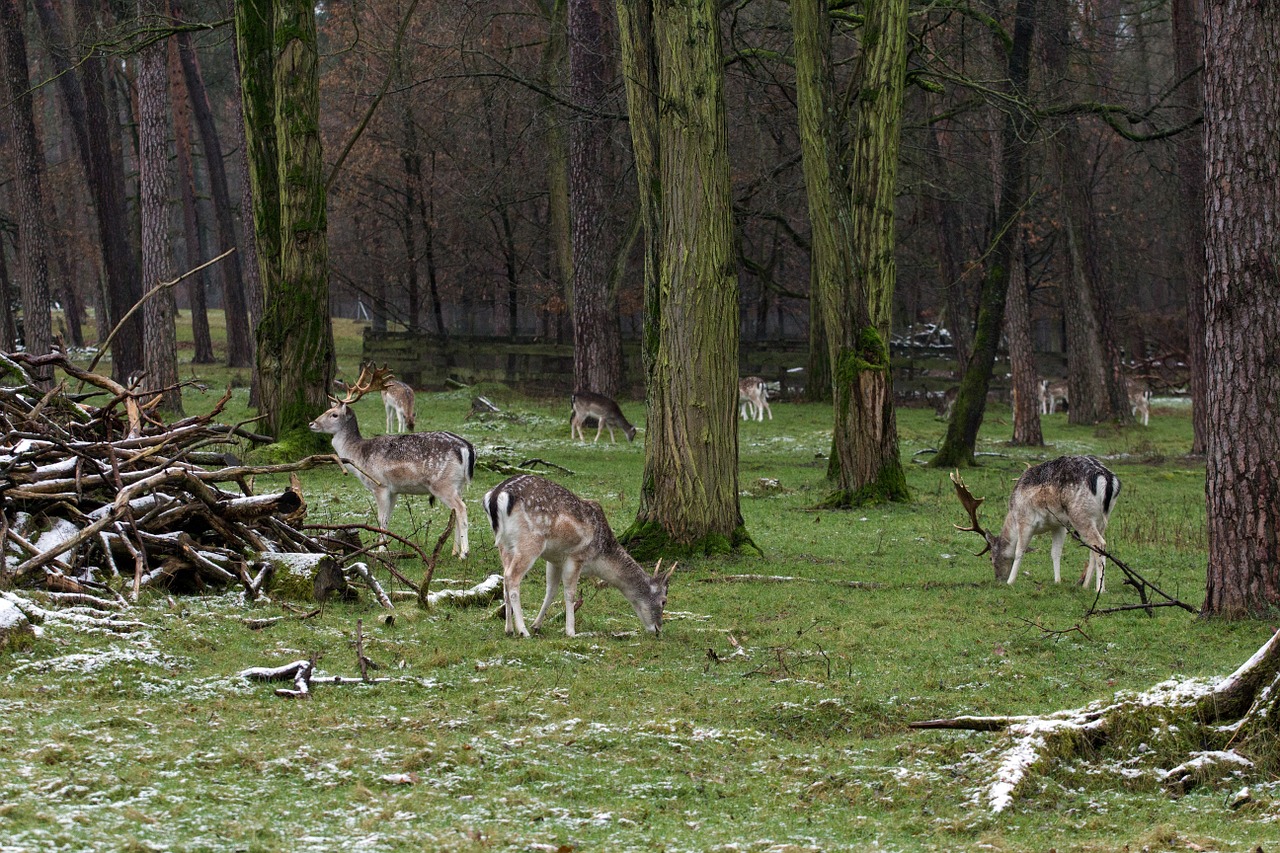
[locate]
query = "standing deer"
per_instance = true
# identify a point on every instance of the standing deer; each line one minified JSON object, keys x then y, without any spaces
{"x":439,"y":464}
{"x":1052,"y":394}
{"x":585,"y":404}
{"x":533,"y":517}
{"x":753,"y":399}
{"x":397,"y":399}
{"x":1139,"y":401}
{"x":1071,"y":491}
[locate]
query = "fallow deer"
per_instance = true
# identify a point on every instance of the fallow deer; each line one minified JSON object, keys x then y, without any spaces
{"x":585,"y":404}
{"x":533,"y":517}
{"x":1052,"y":396}
{"x":1075,"y":492}
{"x":438,"y":464}
{"x":753,"y":399}
{"x":397,"y":399}
{"x":1139,"y":401}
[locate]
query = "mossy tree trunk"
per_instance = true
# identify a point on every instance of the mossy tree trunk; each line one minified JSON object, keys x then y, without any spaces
{"x":853,"y":241}
{"x":689,"y":494}
{"x":1242,"y":140}
{"x":279,"y":82}
{"x":966,"y":417}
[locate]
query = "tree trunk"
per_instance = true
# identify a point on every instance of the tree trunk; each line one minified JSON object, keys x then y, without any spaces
{"x":1242,"y":141}
{"x":957,"y":300}
{"x":8,"y":329}
{"x":966,"y":418}
{"x":1188,"y":55}
{"x":240,"y":340}
{"x":597,"y":344}
{"x":1022,"y":362}
{"x":196,"y":284}
{"x":552,"y":67}
{"x":28,"y":161}
{"x":689,"y":494}
{"x":160,"y":346}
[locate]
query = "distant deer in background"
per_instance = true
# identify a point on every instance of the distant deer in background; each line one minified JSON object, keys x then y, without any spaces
{"x":946,"y":402}
{"x":397,"y":399}
{"x":1071,"y":491}
{"x":1139,"y":401}
{"x":533,"y":517}
{"x":585,"y":404}
{"x":438,"y":464}
{"x":753,"y":399}
{"x":1052,"y":394}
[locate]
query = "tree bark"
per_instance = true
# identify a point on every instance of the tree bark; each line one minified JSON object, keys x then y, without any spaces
{"x":1188,"y":56}
{"x":160,"y":347}
{"x":28,"y":160}
{"x":1242,"y":143}
{"x":957,"y":300}
{"x":966,"y":419}
{"x":8,"y":329}
{"x":689,"y":494}
{"x":1026,"y":379}
{"x":597,"y":344}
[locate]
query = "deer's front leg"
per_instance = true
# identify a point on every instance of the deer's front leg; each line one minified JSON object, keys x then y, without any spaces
{"x":553,"y":586}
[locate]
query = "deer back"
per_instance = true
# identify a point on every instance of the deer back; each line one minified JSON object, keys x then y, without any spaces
{"x":1071,"y":491}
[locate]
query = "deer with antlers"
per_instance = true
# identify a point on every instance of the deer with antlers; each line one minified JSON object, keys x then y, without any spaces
{"x":533,"y":517}
{"x":438,"y":464}
{"x":1076,"y":492}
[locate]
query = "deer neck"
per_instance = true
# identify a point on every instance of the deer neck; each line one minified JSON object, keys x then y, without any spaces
{"x":348,"y":441}
{"x":625,"y":574}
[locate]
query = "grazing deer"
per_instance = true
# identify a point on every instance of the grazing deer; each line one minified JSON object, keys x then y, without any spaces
{"x":397,"y":399}
{"x":533,"y":517}
{"x":1052,"y":394}
{"x":585,"y":404}
{"x":1071,"y":491}
{"x":439,"y":464}
{"x":1139,"y":401}
{"x":753,"y":399}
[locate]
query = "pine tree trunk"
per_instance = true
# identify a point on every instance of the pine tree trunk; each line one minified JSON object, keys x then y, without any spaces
{"x":8,"y":329}
{"x":28,"y":161}
{"x":160,"y":346}
{"x":1242,"y":142}
{"x":689,"y":494}
{"x":597,"y":345}
{"x":1026,"y":379}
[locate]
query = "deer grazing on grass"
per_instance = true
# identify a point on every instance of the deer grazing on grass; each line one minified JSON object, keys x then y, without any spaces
{"x":533,"y":517}
{"x":1071,"y":491}
{"x":397,"y":399}
{"x":1052,"y":396}
{"x":585,"y":404}
{"x":753,"y":399}
{"x":438,"y":464}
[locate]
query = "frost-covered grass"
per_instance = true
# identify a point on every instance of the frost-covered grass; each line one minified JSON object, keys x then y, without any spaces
{"x":769,"y":716}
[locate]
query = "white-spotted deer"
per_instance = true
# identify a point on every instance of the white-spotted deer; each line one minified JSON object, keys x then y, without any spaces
{"x":439,"y":464}
{"x":1052,"y":395}
{"x":1139,"y":401}
{"x":585,"y":404}
{"x":397,"y":399}
{"x":1075,"y":492}
{"x":753,"y":399}
{"x":533,"y":517}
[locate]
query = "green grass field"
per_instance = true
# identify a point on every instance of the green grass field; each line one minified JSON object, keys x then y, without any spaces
{"x":769,"y":715}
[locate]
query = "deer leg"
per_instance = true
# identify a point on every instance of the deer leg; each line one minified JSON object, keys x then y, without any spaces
{"x":767,"y":409}
{"x":513,"y":571}
{"x":1019,"y":550}
{"x":553,"y":586}
{"x":1059,"y":537}
{"x":599,"y":429}
{"x":571,"y":572}
{"x":386,"y":500}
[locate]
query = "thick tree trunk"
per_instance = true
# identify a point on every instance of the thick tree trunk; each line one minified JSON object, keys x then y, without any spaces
{"x":28,"y":161}
{"x":240,"y":340}
{"x":196,"y":284}
{"x":966,"y":418}
{"x":1242,"y":143}
{"x":160,"y":347}
{"x":1188,"y":55}
{"x":1026,"y":379}
{"x":597,"y":344}
{"x":689,"y":494}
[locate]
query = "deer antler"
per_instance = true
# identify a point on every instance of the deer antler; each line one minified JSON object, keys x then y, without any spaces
{"x":371,"y":379}
{"x":971,"y":505}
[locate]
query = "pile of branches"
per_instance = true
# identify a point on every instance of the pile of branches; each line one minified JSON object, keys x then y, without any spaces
{"x":96,"y":486}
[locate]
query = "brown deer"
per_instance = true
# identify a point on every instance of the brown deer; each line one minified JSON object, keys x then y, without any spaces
{"x":585,"y":404}
{"x":1139,"y":401}
{"x":1052,"y":396}
{"x":753,"y":399}
{"x":397,"y":399}
{"x":533,"y":517}
{"x":438,"y":464}
{"x":1071,"y":491}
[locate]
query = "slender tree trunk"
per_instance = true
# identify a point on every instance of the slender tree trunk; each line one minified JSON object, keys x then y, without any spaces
{"x":240,"y":339}
{"x":553,"y":67}
{"x":689,"y":493}
{"x":1026,"y":379}
{"x":196,"y":284}
{"x":957,"y":301}
{"x":8,"y":329}
{"x":1242,"y":143}
{"x":597,"y":345}
{"x":966,"y":418}
{"x":28,"y":161}
{"x":1188,"y":55}
{"x":160,"y":347}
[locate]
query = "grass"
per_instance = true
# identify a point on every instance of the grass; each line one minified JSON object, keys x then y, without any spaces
{"x":767,"y":717}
